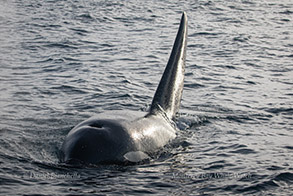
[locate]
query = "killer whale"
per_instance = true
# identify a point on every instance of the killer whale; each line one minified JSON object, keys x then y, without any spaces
{"x":122,"y":136}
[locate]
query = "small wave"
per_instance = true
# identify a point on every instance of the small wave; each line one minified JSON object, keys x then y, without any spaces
{"x":251,"y":82}
{"x":11,"y":180}
{"x":288,"y":111}
{"x":287,"y":12}
{"x":243,"y":151}
{"x":79,"y":31}
{"x":233,"y":146}
{"x":127,"y":59}
{"x":85,"y":17}
{"x":226,"y":66}
{"x":267,"y":185}
{"x":240,"y":118}
{"x":285,"y":176}
{"x":241,"y":38}
{"x":215,"y":165}
{"x":222,"y":88}
{"x":289,"y":147}
{"x":193,"y":85}
{"x":188,"y":121}
{"x":259,"y":187}
{"x":204,"y":34}
{"x":274,"y":168}
{"x":69,"y":89}
{"x":45,"y":60}
{"x":60,"y":45}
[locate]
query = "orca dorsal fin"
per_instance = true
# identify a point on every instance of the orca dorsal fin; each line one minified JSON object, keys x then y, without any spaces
{"x":169,"y":92}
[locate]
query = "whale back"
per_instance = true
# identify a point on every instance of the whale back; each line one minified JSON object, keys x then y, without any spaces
{"x":120,"y":137}
{"x":169,"y":91}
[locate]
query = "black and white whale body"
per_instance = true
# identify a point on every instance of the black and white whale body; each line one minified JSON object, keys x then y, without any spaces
{"x":122,"y":136}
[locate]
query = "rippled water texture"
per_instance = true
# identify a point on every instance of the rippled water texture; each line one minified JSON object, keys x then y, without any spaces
{"x":64,"y":61}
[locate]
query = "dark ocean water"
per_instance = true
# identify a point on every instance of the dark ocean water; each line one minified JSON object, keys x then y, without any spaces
{"x":64,"y":61}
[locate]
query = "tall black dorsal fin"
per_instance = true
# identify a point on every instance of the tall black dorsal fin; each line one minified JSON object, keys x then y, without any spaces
{"x":169,"y":92}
